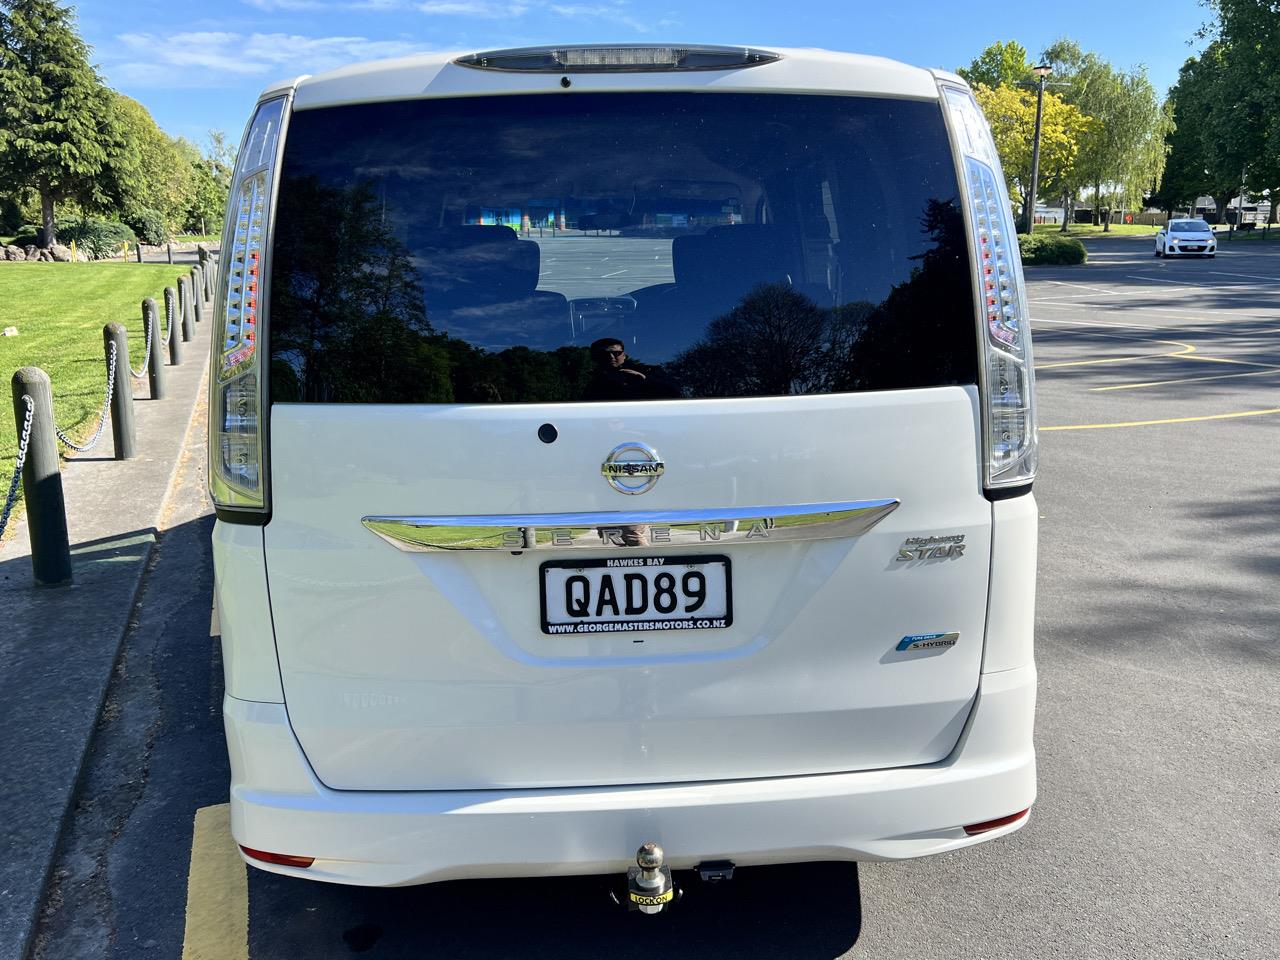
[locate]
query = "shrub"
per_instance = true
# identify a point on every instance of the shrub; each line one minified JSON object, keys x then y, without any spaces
{"x":149,"y":225}
{"x":27,"y":236}
{"x":96,"y":237}
{"x":1051,"y":248}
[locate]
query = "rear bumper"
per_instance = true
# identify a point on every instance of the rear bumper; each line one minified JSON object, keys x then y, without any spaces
{"x":397,"y":838}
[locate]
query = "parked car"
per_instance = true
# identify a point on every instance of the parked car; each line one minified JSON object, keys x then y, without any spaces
{"x":511,"y":582}
{"x":1182,"y":238}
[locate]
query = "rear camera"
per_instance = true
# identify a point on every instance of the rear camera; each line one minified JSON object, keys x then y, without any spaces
{"x":547,"y":433}
{"x":565,"y":82}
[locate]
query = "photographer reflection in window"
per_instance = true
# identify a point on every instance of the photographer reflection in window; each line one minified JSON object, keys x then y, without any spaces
{"x":616,"y":377}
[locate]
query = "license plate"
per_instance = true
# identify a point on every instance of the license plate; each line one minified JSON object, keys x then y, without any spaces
{"x":625,"y":594}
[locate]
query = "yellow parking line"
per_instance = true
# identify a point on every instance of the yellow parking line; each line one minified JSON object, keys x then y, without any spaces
{"x":1165,"y":383}
{"x":1242,"y":363}
{"x":217,"y":891}
{"x":1150,"y":423}
{"x":1186,"y":349}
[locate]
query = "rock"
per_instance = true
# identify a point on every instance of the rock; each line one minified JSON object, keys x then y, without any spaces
{"x":60,"y":254}
{"x":31,"y":250}
{"x":46,"y":256}
{"x":13,"y":253}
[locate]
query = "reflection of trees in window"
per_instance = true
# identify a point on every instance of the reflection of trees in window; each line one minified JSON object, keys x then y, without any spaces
{"x":777,"y":341}
{"x":772,"y":342}
{"x":348,"y":322}
{"x":923,"y":333}
{"x":518,"y":374}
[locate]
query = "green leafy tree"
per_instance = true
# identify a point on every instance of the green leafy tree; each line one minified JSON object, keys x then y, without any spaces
{"x":1011,"y":112}
{"x":1004,"y":63}
{"x":146,"y":169}
{"x":1245,"y":113}
{"x":210,"y":183}
{"x":1126,"y":151}
{"x":1187,"y":174}
{"x":56,"y":117}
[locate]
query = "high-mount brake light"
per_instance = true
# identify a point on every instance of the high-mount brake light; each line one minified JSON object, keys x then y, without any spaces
{"x":236,"y":480}
{"x":635,"y":58}
{"x":1008,"y":383}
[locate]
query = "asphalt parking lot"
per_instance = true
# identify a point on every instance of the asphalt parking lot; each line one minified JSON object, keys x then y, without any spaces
{"x":1157,"y":829}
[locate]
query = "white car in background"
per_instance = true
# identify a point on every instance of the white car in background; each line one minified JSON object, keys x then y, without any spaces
{"x":474,"y":624}
{"x":1186,"y":238}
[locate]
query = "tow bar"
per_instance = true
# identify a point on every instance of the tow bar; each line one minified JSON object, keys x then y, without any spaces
{"x":649,"y":886}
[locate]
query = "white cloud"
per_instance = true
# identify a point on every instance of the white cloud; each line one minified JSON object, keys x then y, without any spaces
{"x":210,"y":58}
{"x":610,"y":12}
{"x":271,"y":6}
{"x":473,"y":8}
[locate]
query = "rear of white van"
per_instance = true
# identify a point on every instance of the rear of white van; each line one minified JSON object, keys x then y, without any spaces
{"x":621,"y":445}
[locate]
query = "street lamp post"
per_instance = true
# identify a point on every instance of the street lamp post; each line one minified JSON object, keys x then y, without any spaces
{"x":1029,"y":212}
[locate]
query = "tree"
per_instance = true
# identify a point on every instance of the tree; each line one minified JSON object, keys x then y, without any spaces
{"x":146,"y":169}
{"x":1126,"y":151}
{"x":55,"y":114}
{"x":211,"y":182}
{"x":1012,"y":115}
{"x":1004,"y":63}
{"x":1245,"y":113}
{"x":1188,"y":173}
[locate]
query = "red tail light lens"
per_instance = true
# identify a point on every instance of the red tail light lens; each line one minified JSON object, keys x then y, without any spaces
{"x":282,"y":859}
{"x":986,"y":826}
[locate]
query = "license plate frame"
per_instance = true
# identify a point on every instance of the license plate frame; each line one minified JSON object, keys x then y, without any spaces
{"x":626,"y":564}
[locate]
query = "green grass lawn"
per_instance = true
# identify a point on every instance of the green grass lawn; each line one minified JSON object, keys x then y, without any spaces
{"x":205,"y":238}
{"x":59,"y":310}
{"x":1258,"y":233}
{"x":1089,"y":230}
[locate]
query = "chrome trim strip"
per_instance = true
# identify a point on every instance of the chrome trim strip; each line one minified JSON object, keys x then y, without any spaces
{"x":641,"y":528}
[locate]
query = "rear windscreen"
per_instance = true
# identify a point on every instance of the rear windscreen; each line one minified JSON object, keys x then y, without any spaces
{"x":566,"y":247}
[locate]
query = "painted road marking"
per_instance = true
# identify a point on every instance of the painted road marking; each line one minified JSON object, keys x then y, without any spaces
{"x":1152,"y":423}
{"x":1084,"y":286}
{"x":1186,"y":349}
{"x":1098,"y":323}
{"x":217,"y":891}
{"x":1188,"y":283}
{"x":1232,"y":315}
{"x":1164,"y":383}
{"x":1251,"y":276}
{"x":614,"y":274}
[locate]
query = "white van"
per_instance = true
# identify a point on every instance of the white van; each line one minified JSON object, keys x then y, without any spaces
{"x":621,"y":445}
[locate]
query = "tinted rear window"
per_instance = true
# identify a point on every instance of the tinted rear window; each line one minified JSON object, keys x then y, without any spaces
{"x":617,"y":247}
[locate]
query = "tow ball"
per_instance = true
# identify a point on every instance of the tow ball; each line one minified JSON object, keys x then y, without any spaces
{"x":649,"y":886}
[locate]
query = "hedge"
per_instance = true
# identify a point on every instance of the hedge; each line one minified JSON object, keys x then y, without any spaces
{"x":1051,"y":248}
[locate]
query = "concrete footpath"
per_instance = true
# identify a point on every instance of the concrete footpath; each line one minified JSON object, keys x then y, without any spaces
{"x":58,"y":645}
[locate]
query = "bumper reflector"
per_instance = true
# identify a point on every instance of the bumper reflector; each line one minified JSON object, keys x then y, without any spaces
{"x":281,"y":859}
{"x":986,"y":826}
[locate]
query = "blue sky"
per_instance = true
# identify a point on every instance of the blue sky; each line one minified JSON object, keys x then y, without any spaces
{"x":200,"y":65}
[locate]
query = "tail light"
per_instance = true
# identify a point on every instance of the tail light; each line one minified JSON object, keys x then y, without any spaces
{"x":986,"y":826}
{"x":237,"y":477}
{"x":283,"y":859}
{"x":1008,"y":384}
